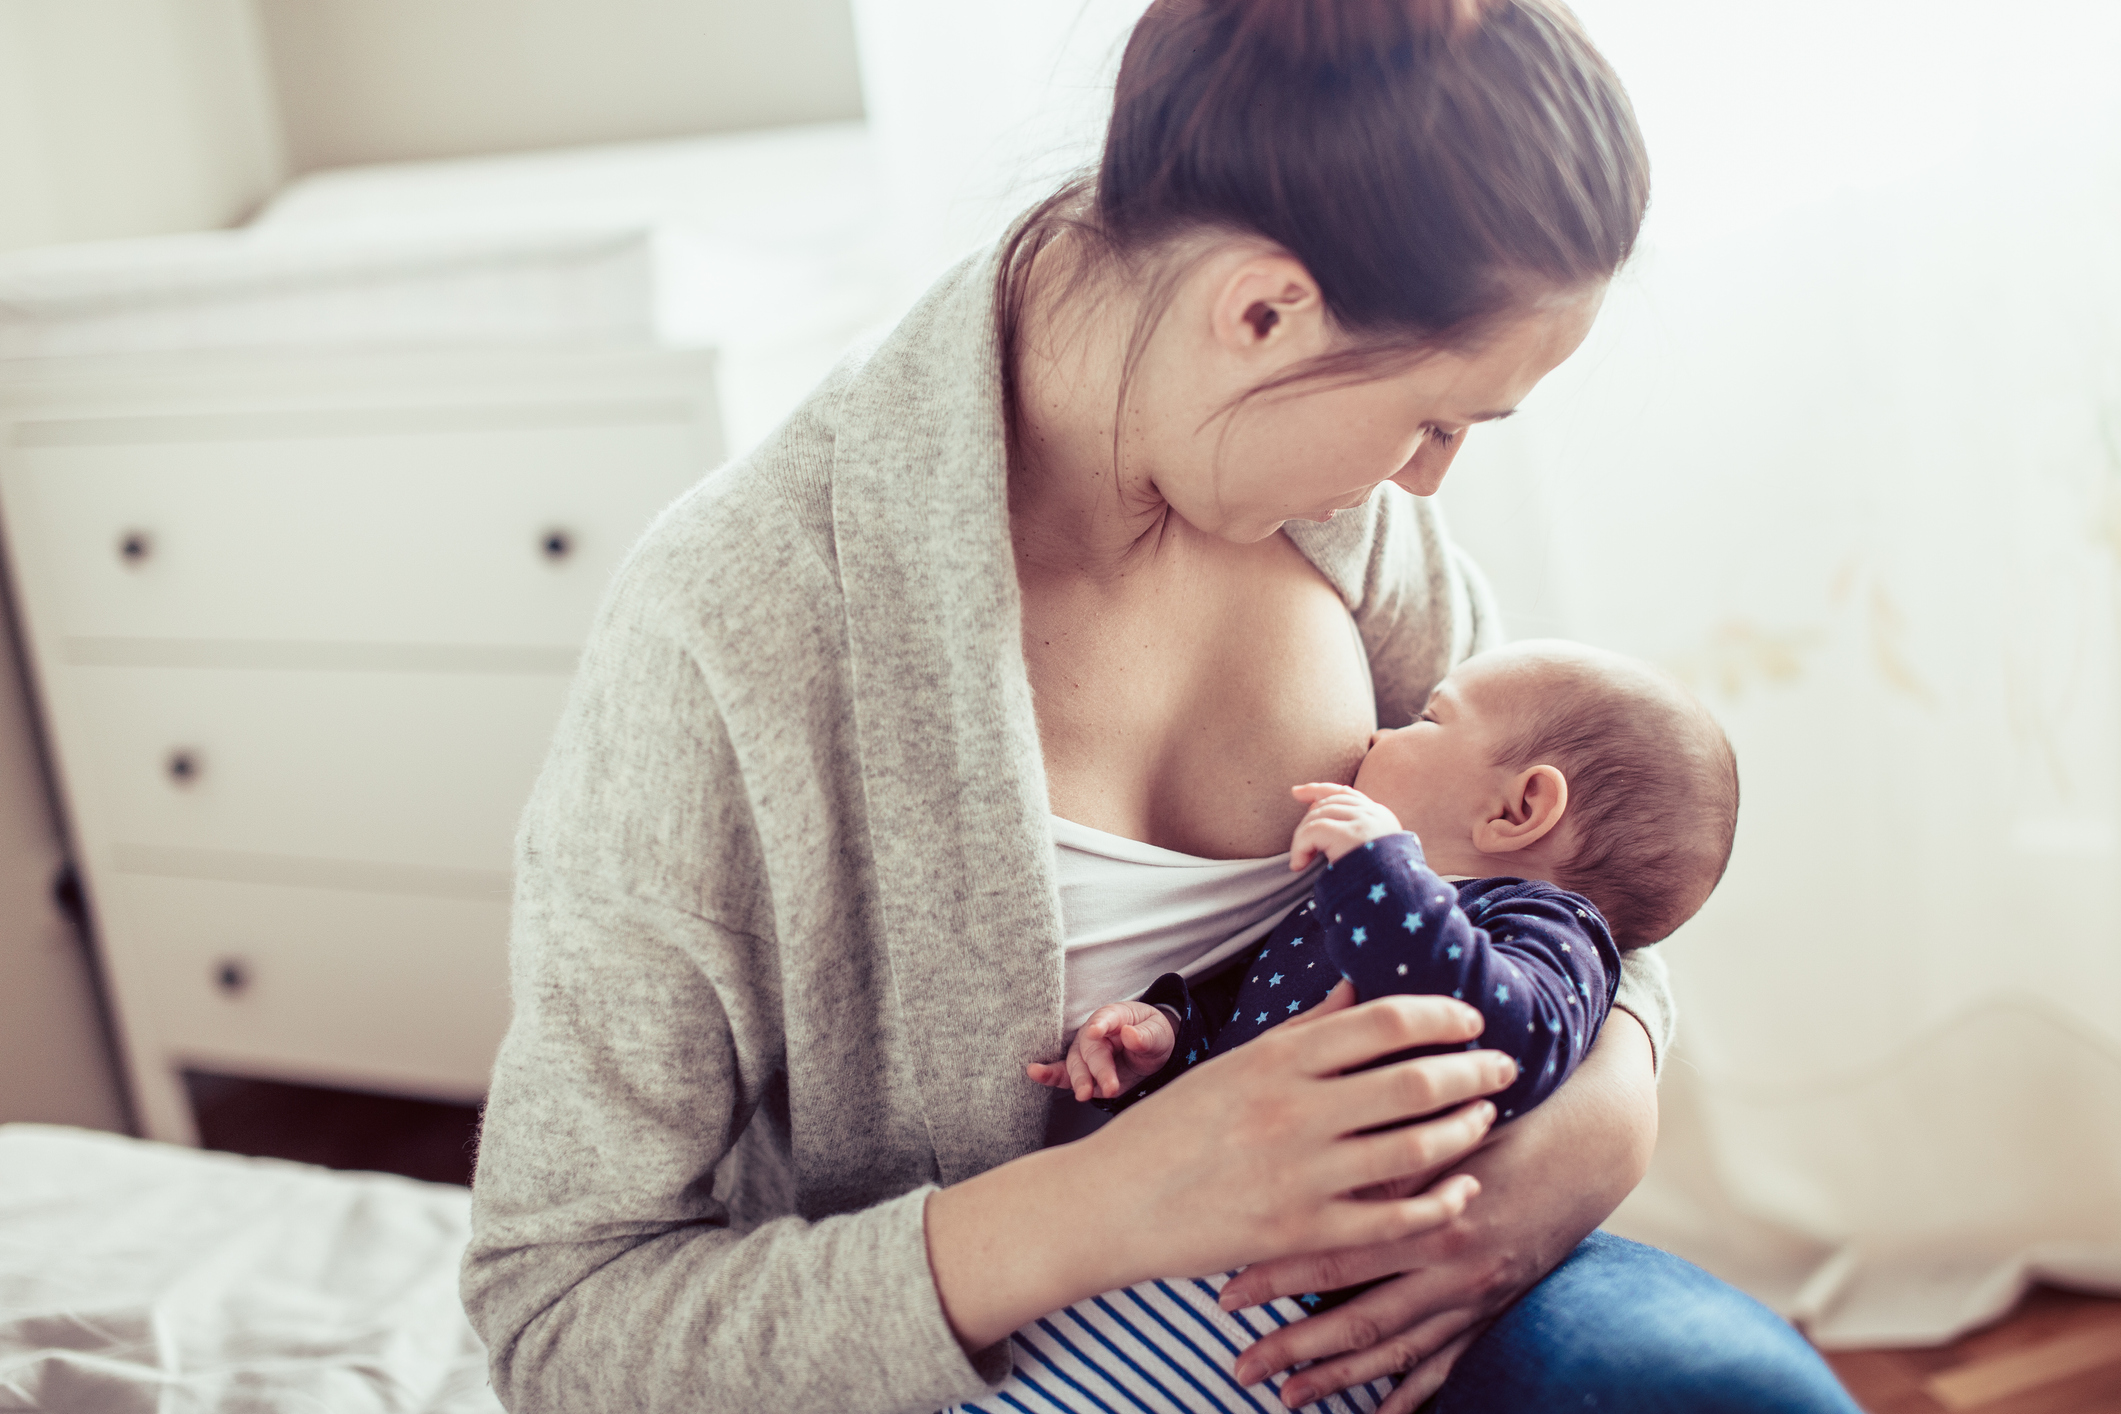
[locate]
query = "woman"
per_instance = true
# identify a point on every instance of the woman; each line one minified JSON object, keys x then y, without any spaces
{"x":1075,"y":555}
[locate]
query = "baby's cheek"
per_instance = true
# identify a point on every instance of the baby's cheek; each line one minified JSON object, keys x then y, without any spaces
{"x":1381,"y":777}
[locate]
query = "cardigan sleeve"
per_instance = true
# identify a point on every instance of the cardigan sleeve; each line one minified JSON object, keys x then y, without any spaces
{"x":609,"y":1267}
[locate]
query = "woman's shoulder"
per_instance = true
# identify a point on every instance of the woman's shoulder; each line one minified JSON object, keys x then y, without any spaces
{"x":753,"y":535}
{"x":902,"y":416}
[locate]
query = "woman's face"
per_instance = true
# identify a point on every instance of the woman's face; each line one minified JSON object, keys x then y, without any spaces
{"x":1307,"y":452}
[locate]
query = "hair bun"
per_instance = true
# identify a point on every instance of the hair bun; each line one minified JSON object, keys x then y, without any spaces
{"x":1433,"y":164}
{"x":1343,"y":31}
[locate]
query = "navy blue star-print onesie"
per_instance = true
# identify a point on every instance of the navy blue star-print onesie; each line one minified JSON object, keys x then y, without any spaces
{"x":1536,"y":960}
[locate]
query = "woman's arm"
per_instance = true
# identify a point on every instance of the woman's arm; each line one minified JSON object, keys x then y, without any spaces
{"x":610,"y":1266}
{"x":1546,"y":1182}
{"x":1247,"y":1157}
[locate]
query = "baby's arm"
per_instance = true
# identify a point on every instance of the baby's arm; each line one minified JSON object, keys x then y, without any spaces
{"x":1536,"y":960}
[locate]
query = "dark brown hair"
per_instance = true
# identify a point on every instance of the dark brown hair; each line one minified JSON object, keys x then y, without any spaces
{"x":1653,"y":786}
{"x":1434,"y":164}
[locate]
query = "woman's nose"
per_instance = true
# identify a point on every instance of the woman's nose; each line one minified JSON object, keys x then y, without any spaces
{"x":1425,"y":470}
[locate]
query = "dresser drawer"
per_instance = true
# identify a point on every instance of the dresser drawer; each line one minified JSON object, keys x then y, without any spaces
{"x":337,"y":987}
{"x":424,"y":770}
{"x":410,"y":525}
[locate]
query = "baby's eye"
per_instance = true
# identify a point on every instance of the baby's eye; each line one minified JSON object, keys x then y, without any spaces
{"x":1440,"y":437}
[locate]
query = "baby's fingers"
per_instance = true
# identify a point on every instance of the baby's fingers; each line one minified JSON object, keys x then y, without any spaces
{"x":1105,"y":1073}
{"x":1053,"y":1073}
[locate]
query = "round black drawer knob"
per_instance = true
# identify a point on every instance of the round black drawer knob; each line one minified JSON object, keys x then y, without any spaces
{"x":556,"y":544}
{"x":184,"y":766}
{"x":232,"y":976}
{"x":134,"y":546}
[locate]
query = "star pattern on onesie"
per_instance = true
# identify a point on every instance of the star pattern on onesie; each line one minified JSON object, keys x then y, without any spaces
{"x":1435,"y":943}
{"x":1536,"y":960}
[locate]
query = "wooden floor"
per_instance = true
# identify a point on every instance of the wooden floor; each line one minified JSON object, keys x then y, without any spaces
{"x":2058,"y":1353}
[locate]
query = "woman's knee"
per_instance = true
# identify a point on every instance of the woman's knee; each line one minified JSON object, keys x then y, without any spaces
{"x":1623,"y":1326}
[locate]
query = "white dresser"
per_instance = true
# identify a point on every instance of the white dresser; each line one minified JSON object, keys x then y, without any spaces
{"x":300,"y":625}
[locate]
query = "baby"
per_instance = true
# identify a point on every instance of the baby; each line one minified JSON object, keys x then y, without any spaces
{"x":1554,"y":806}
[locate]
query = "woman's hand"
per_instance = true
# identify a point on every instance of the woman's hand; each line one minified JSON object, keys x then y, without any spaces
{"x":1546,"y":1181}
{"x":1251,"y":1156}
{"x":1264,"y":1148}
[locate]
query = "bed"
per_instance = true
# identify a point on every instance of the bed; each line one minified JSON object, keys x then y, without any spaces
{"x":147,"y":1277}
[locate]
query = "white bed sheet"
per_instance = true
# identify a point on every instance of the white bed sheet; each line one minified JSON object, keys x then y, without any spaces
{"x":150,"y":1278}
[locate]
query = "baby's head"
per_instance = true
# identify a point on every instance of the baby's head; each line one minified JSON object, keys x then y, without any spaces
{"x":1551,"y":760}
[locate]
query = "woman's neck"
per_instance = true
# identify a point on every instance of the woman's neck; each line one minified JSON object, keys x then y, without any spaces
{"x":1079,"y":504}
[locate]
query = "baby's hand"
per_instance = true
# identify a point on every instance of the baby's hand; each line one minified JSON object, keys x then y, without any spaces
{"x":1120,"y":1046}
{"x":1340,"y":818}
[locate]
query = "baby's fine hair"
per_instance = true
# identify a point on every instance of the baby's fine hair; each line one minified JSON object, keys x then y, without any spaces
{"x":1652,"y":784}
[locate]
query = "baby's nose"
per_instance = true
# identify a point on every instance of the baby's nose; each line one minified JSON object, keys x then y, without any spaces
{"x":1378,"y":735}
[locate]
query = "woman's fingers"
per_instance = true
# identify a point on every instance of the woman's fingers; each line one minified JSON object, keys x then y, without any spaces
{"x":1424,"y":1086}
{"x":1385,"y":1355}
{"x":1370,"y":1221}
{"x":1364,"y":1160}
{"x":1329,"y":1270}
{"x":1427,"y":1377}
{"x":1402,"y":1320}
{"x":1381,"y":1027}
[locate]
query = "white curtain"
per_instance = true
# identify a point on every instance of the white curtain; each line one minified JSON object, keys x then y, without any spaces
{"x":1845,"y":452}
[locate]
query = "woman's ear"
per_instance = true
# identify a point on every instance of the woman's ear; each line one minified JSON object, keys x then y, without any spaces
{"x":1267,"y":301}
{"x":1532,"y":805}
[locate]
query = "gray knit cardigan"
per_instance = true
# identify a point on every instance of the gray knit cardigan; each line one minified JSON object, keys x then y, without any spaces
{"x":786,"y":927}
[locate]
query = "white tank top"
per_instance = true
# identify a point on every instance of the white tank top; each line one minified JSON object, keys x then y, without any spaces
{"x":1131,"y":912}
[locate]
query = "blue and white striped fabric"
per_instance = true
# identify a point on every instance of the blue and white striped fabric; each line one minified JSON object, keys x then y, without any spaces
{"x":1163,"y":1347}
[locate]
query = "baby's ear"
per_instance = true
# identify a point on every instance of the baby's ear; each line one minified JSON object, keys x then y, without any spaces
{"x":1533,"y":802}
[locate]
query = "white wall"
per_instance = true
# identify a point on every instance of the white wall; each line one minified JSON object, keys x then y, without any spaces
{"x":388,"y":80}
{"x":981,"y":107}
{"x":131,"y":117}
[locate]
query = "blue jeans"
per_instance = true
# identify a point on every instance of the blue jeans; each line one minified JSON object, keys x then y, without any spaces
{"x":1620,"y":1326}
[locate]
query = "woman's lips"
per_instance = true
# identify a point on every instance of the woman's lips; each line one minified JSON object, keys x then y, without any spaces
{"x":1336,"y":510}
